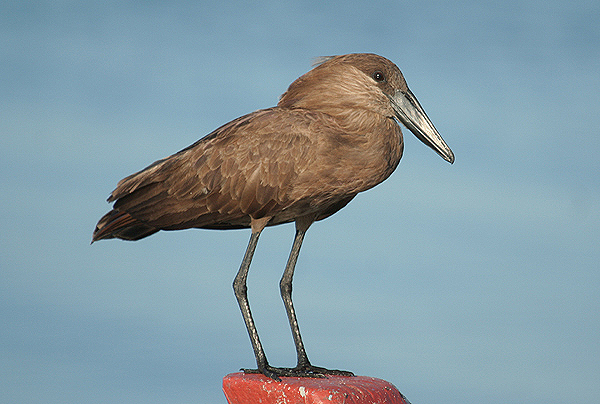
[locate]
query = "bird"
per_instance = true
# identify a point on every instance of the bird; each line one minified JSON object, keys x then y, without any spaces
{"x":334,"y":133}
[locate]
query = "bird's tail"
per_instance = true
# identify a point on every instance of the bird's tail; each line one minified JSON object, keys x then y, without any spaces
{"x":121,"y":225}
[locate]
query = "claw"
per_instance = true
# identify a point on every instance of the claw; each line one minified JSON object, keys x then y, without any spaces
{"x":299,"y":371}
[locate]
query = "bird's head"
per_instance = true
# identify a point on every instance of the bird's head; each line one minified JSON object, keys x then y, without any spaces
{"x":364,"y":81}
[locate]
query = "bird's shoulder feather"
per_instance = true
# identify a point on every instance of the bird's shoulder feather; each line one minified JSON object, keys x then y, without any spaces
{"x":242,"y":169}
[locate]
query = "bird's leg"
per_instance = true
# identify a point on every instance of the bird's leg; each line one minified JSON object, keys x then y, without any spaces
{"x":304,"y":367}
{"x":285,"y":287}
{"x":240,"y":289}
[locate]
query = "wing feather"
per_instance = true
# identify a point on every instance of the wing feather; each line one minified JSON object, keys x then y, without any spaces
{"x":243,"y":169}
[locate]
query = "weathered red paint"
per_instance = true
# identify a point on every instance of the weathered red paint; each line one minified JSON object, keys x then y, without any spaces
{"x":241,"y":388}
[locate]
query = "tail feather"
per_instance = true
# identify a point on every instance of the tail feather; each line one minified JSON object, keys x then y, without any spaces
{"x":121,"y":225}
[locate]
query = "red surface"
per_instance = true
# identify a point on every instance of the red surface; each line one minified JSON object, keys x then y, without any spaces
{"x":241,"y":388}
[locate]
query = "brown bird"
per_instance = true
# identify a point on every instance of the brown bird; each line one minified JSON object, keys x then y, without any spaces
{"x":333,"y":134}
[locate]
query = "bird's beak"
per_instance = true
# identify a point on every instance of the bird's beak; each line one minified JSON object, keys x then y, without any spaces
{"x":411,"y":114}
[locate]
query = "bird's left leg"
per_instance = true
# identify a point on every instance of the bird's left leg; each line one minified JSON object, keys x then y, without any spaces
{"x":304,"y":367}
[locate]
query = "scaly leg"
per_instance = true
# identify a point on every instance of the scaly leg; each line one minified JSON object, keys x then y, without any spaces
{"x":304,"y":367}
{"x":241,"y":293}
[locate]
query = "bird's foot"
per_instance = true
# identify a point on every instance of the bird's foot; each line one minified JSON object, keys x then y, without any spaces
{"x":316,"y":370}
{"x":305,"y":370}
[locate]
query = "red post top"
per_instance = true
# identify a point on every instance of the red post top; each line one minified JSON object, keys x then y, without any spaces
{"x":241,"y":388}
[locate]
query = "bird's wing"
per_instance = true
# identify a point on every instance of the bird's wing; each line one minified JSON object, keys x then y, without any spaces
{"x":241,"y":170}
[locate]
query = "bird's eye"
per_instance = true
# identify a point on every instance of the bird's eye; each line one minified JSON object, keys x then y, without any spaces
{"x":378,"y":76}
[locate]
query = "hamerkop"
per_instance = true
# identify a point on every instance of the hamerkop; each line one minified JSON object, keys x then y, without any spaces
{"x":333,"y":134}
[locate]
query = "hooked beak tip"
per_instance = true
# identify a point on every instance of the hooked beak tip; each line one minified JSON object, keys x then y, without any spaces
{"x":450,"y":157}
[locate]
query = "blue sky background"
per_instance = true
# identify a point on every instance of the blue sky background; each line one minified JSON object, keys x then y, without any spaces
{"x":474,"y":283}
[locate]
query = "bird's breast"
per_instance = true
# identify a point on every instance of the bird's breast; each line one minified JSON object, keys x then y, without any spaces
{"x":349,"y":161}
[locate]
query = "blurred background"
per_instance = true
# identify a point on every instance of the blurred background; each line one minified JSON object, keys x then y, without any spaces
{"x":476,"y":282}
